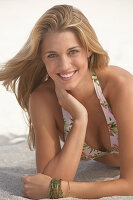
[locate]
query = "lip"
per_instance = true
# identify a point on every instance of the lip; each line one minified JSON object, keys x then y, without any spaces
{"x":66,"y":73}
{"x":68,"y":78}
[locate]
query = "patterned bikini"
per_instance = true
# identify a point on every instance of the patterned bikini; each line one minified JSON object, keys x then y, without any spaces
{"x":88,"y":152}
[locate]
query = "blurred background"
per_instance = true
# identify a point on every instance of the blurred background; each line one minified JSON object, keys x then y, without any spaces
{"x":111,"y":19}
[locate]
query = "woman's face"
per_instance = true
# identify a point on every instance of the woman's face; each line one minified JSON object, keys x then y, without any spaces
{"x":65,"y":59}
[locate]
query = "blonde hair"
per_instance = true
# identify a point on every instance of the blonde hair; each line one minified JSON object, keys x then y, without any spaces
{"x":26,"y":71}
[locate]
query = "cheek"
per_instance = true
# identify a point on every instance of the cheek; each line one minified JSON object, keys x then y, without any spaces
{"x":85,"y":61}
{"x":49,"y":67}
{"x":77,"y":61}
{"x":82,"y":62}
{"x":51,"y":70}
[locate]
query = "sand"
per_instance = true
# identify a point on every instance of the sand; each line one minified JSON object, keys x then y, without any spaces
{"x":17,"y":160}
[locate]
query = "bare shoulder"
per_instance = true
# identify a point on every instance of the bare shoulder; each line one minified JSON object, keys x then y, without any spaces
{"x":116,"y":79}
{"x":44,"y":96}
{"x":43,"y":100}
{"x":120,"y":98}
{"x":45,"y":91}
{"x":46,"y":119}
{"x":119,"y":74}
{"x":41,"y":103}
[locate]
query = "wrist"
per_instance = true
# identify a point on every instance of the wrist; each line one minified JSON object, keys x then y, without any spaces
{"x":82,"y":115}
{"x":66,"y":188}
{"x":82,"y":119}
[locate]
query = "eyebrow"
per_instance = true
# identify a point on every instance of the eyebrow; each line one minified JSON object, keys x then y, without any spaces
{"x":56,"y":52}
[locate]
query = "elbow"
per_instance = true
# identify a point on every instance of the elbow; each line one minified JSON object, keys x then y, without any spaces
{"x":128,"y":183}
{"x":130,"y":188}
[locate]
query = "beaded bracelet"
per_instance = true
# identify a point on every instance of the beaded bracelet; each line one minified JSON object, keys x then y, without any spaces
{"x":69,"y":188}
{"x":53,"y":193}
{"x":53,"y":189}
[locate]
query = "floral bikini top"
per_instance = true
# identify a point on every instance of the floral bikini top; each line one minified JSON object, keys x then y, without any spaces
{"x":88,"y":152}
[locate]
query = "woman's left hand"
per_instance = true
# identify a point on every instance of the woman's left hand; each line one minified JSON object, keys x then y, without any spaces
{"x":36,"y":186}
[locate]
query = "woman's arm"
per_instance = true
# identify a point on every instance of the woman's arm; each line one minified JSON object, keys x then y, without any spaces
{"x":64,"y":165}
{"x":121,"y":101}
{"x":51,"y":159}
{"x":95,"y":190}
{"x":37,"y":187}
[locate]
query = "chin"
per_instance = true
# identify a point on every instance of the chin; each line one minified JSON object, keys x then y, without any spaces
{"x":69,"y":88}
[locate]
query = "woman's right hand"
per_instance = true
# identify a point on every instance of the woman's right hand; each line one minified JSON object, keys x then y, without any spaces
{"x":70,"y":103}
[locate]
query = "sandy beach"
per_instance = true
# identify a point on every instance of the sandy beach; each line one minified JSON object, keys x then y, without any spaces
{"x":112,"y":21}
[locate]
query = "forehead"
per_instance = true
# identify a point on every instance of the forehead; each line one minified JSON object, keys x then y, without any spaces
{"x":58,"y":40}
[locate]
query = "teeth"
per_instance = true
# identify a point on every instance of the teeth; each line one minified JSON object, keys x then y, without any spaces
{"x":68,"y":75}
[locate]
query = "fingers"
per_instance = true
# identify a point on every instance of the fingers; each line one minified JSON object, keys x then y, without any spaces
{"x":23,"y":192}
{"x":58,"y":86}
{"x":25,"y":178}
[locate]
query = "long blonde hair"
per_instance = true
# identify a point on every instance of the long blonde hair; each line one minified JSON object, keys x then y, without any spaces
{"x":26,"y":70}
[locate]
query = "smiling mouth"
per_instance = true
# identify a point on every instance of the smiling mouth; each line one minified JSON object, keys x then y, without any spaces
{"x":67,"y":75}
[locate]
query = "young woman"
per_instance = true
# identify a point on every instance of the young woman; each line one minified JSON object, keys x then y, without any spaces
{"x":62,"y":79}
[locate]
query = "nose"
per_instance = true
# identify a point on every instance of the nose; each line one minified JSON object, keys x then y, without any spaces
{"x":64,"y":63}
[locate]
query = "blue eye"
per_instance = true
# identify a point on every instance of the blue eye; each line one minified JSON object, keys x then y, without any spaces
{"x":51,"y":55}
{"x":73,"y":51}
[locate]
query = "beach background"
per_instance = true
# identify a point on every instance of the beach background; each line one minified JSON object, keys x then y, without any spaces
{"x":112,"y":21}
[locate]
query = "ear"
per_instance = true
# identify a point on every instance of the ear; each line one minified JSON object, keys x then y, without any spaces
{"x":89,"y":53}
